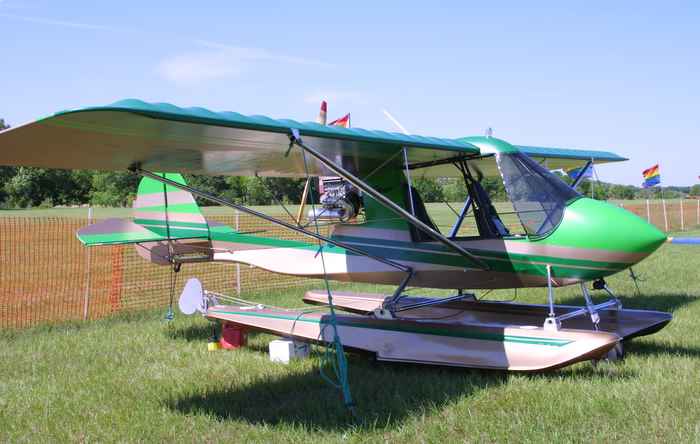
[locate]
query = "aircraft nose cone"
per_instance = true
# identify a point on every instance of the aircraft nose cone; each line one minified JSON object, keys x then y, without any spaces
{"x":647,"y":237}
{"x":599,"y":225}
{"x":628,"y":232}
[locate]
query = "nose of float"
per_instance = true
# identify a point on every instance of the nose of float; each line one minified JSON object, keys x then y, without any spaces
{"x":605,"y":226}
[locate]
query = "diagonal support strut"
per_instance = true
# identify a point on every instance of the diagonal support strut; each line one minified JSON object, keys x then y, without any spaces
{"x":295,"y":138}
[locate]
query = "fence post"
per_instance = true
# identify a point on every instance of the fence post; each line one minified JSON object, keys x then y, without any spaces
{"x":238,"y":266}
{"x":88,"y":265}
{"x":682,"y":221}
{"x":698,"y":212}
{"x":663,"y":204}
{"x":648,"y":212}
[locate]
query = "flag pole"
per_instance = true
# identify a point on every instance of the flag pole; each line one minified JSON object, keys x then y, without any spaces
{"x":648,"y":213}
{"x":663,"y":201}
{"x":592,"y":194}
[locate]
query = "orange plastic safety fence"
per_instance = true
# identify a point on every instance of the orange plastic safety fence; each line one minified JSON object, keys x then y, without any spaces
{"x":47,"y":275}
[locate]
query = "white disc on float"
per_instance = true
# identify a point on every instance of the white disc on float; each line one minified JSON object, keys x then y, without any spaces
{"x":192,"y":297}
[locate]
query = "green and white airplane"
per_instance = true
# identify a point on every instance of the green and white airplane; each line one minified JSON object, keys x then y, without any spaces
{"x":381,"y":231}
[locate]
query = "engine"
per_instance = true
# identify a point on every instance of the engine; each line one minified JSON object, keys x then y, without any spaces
{"x":339,"y":200}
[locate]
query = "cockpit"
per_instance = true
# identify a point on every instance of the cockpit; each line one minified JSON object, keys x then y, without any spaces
{"x":501,"y":193}
{"x":536,"y":200}
{"x":538,"y":196}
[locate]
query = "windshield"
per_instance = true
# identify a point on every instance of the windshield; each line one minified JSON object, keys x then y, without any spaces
{"x":538,"y":196}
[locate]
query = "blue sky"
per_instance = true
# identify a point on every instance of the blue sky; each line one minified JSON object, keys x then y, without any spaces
{"x":620,"y":76}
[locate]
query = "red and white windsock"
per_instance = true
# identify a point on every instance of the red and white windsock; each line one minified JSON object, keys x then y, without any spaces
{"x":321,"y":120}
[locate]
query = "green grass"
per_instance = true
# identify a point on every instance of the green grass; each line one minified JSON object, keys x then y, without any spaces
{"x":135,"y":377}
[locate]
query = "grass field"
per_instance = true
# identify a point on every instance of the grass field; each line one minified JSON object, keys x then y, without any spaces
{"x":136,"y":377}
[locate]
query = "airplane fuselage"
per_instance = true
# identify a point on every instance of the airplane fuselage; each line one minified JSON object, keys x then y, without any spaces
{"x":594,"y":239}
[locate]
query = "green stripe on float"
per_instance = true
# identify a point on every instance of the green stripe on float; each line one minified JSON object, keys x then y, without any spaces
{"x":419,"y":329}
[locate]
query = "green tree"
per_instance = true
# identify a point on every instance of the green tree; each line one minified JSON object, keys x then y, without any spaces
{"x":429,"y":189}
{"x":6,"y":173}
{"x":494,"y":188}
{"x":30,"y":187}
{"x":214,"y":185}
{"x":114,"y":188}
{"x":454,"y":189}
{"x":236,"y":189}
{"x":695,"y":190}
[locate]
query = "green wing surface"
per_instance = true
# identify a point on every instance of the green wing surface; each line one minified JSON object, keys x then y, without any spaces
{"x":163,"y":137}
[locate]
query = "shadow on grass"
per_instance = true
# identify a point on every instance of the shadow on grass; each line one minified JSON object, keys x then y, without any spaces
{"x":201,"y":332}
{"x":195,"y":332}
{"x":668,"y":302}
{"x":652,"y":348}
{"x":384,"y":395}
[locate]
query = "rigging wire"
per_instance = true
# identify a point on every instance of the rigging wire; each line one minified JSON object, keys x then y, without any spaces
{"x":339,"y":364}
{"x":450,"y":206}
{"x":170,"y":315}
{"x":274,"y":196}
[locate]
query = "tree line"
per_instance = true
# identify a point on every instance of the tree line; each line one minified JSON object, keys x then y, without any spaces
{"x":25,"y":187}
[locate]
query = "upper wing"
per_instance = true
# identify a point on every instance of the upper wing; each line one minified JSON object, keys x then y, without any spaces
{"x":550,"y":158}
{"x":567,"y":158}
{"x":163,"y":137}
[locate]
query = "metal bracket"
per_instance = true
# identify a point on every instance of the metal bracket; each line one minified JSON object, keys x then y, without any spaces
{"x":294,"y":138}
{"x":553,"y":322}
{"x":391,"y":303}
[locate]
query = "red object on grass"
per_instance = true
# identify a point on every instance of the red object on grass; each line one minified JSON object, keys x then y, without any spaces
{"x":233,"y":336}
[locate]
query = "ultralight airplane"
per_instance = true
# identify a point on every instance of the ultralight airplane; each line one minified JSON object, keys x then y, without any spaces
{"x":381,"y":234}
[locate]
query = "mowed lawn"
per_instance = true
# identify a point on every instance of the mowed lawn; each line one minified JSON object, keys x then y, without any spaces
{"x":136,"y":377}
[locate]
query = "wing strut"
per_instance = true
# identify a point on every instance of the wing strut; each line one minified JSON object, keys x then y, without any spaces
{"x":295,"y":139}
{"x":581,"y":174}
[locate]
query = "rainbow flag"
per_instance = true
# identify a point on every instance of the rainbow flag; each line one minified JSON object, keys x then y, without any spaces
{"x":651,"y":176}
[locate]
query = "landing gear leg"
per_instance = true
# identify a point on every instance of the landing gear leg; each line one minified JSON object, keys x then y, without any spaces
{"x":595,"y":317}
{"x":600,"y":284}
{"x":551,"y":322}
